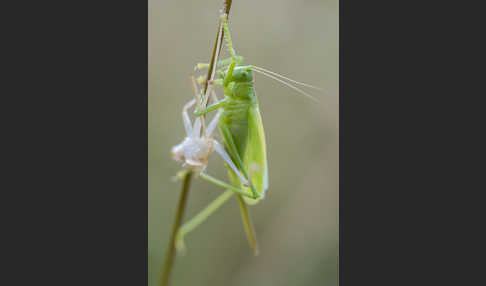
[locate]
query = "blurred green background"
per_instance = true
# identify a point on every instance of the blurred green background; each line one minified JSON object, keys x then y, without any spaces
{"x":297,"y":223}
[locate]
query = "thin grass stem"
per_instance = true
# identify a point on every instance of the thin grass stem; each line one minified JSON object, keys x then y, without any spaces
{"x":169,"y":261}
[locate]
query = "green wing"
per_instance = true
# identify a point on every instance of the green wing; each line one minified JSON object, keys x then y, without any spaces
{"x":255,"y":159}
{"x":250,"y":145}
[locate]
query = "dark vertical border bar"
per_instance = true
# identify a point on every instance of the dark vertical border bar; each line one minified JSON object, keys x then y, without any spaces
{"x":404,"y":144}
{"x":374,"y":114}
{"x":79,"y":143}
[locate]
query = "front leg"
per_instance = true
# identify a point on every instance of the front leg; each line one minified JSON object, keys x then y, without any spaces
{"x":221,"y":63}
{"x":215,"y":106}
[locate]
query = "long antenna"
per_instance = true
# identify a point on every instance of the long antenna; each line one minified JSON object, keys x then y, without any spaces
{"x":287,"y":84}
{"x":289,"y":79}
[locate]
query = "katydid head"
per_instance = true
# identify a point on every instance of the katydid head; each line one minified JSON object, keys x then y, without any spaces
{"x":242,"y":74}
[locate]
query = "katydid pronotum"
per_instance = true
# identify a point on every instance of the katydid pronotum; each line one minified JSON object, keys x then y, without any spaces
{"x":244,"y":148}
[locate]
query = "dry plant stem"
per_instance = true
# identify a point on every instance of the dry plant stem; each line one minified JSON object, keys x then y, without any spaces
{"x":218,"y":44}
{"x":169,"y":261}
